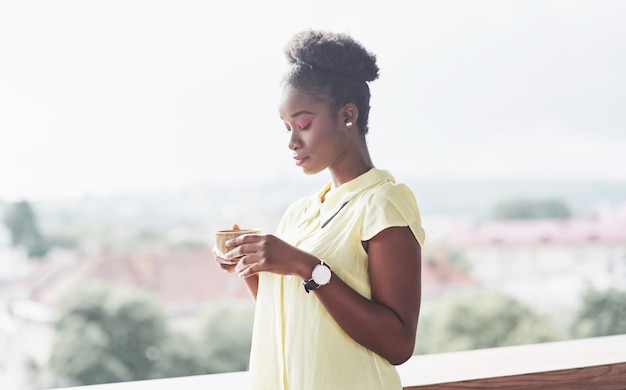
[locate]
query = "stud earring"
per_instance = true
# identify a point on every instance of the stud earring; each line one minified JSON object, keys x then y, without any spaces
{"x":349,"y":124}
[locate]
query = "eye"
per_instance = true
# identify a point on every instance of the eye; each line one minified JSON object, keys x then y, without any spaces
{"x":287,"y":127}
{"x":304,"y":124}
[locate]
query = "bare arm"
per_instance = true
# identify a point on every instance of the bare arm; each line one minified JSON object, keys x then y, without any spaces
{"x":387,"y":323}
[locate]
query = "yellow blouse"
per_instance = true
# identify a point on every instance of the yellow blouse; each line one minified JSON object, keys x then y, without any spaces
{"x":296,"y":344}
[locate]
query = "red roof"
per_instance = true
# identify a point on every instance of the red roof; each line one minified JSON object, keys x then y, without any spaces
{"x":541,"y":232}
{"x":437,"y":274}
{"x":179,"y":278}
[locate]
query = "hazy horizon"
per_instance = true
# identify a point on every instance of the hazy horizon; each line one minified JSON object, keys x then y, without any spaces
{"x":126,"y":97}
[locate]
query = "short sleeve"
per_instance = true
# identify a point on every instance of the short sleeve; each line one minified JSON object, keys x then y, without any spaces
{"x":391,"y":205}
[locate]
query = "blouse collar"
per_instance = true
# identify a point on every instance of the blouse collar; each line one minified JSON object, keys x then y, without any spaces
{"x":345,"y":192}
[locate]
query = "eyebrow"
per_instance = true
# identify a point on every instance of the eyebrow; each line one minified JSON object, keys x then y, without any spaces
{"x":301,"y":112}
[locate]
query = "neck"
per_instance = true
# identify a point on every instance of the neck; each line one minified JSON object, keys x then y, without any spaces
{"x":353,"y":165}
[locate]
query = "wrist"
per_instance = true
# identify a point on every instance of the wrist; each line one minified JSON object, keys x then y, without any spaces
{"x":306,"y":267}
{"x":320,"y":276}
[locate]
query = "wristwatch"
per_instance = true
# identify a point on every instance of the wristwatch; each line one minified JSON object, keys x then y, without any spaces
{"x":321,"y":276}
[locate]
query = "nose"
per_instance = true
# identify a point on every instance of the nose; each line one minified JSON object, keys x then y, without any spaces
{"x":294,"y":140}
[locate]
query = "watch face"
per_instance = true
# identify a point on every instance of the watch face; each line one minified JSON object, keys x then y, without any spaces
{"x":321,"y":274}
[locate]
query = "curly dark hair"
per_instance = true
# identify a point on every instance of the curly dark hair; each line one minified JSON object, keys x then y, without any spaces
{"x":334,"y":68}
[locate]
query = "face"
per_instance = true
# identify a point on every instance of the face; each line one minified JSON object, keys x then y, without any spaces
{"x":317,"y":136}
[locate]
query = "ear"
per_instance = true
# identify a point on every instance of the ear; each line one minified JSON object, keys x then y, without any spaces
{"x":349,"y":115}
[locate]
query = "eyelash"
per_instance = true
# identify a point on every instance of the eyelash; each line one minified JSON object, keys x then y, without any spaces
{"x":306,"y":126}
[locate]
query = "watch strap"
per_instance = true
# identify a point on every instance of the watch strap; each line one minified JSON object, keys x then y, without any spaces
{"x":311,"y":284}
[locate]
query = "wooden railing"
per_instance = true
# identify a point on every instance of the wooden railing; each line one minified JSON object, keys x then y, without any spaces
{"x":594,"y":363}
{"x":585,"y":364}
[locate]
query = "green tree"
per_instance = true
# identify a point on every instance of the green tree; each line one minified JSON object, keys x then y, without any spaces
{"x":106,"y":335}
{"x":22,"y":223}
{"x":112,"y":334}
{"x":601,"y":313}
{"x":226,"y":336}
{"x":483,"y":320}
{"x":181,"y":355}
{"x":531,"y":209}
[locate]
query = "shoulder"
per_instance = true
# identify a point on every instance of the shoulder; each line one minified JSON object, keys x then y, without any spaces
{"x":390,"y":191}
{"x":391,"y":204}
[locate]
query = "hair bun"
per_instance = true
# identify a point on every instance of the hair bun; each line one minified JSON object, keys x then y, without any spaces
{"x":332,"y":52}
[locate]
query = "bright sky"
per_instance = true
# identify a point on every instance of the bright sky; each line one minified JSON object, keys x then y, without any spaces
{"x":108,"y":96}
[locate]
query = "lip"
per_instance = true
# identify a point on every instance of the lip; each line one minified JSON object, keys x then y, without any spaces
{"x":300,"y":159}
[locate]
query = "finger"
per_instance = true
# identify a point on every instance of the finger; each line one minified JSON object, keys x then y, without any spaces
{"x":240,"y":250}
{"x":243,"y":239}
{"x":217,"y":253}
{"x":234,"y":255}
{"x":226,"y":264}
{"x":247,"y":272}
{"x":230,"y":268}
{"x":243,"y":263}
{"x":221,"y":258}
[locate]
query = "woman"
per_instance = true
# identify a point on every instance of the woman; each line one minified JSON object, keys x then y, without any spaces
{"x":338,"y":287}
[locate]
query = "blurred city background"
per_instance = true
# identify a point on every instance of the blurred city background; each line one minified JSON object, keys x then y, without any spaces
{"x":131,"y":131}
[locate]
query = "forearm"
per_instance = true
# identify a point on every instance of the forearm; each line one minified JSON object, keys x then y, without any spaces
{"x":387,"y":322}
{"x":371,"y":324}
{"x":252,"y":284}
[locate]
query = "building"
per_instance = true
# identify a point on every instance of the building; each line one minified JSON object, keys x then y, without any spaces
{"x":546,"y":263}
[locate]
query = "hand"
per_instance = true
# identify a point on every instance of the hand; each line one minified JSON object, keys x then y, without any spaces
{"x":256,"y":253}
{"x":225,"y":264}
